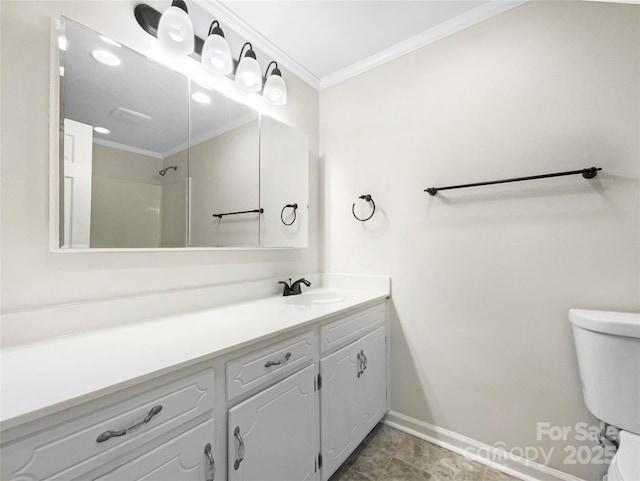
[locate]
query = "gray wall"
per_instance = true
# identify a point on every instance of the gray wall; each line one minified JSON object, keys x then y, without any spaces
{"x":483,"y":278}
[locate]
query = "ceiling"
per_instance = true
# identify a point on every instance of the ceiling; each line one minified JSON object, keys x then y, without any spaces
{"x":327,"y":41}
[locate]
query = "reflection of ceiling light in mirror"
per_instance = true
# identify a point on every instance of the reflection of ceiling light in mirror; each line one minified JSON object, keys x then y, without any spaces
{"x":61,"y":71}
{"x":201,"y":98}
{"x":105,"y":57}
{"x":101,"y":130}
{"x":62,"y":42}
{"x":109,"y":41}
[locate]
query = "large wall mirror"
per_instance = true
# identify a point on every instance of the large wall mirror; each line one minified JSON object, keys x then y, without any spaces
{"x":152,"y":159}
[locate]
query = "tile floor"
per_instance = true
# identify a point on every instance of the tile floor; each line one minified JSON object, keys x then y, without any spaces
{"x":387,"y":454}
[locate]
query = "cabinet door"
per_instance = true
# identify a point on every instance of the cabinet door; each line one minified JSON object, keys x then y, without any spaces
{"x":273,"y":436}
{"x":340,"y":410}
{"x":373,"y":381}
{"x":183,"y":458}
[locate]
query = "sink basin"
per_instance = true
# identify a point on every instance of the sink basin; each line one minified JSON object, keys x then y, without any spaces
{"x":315,"y":299}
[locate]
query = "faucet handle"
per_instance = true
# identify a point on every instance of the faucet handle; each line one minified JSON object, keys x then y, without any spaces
{"x":287,"y":287}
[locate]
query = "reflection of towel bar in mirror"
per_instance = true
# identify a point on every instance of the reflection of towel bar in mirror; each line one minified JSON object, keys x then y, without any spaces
{"x":256,"y":211}
{"x":295,"y":214}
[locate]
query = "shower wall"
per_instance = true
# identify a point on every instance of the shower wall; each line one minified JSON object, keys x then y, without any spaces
{"x":225,"y":177}
{"x":126,"y":199}
{"x":173,"y":210}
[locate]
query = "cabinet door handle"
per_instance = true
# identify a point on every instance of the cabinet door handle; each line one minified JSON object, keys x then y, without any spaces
{"x":365,"y":362}
{"x":212,"y":462}
{"x":240,"y":455}
{"x":360,"y":370}
{"x":286,"y":357}
{"x":105,"y":436}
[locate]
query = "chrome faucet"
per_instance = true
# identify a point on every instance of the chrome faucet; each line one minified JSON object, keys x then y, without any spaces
{"x":294,"y":288}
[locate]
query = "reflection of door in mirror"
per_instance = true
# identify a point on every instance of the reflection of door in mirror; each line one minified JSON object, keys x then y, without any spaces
{"x":136,"y":114}
{"x":284,"y":174}
{"x":224,"y":168}
{"x":78,"y":165}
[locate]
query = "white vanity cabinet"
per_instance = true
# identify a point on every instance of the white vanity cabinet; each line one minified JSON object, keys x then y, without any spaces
{"x":297,"y":402}
{"x":91,"y":445}
{"x":353,"y":396}
{"x":188,"y":457}
{"x":273,"y":436}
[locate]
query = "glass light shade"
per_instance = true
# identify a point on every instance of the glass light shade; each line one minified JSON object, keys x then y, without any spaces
{"x":275,"y":90}
{"x":175,"y":31}
{"x":248,"y":74}
{"x":216,"y":55}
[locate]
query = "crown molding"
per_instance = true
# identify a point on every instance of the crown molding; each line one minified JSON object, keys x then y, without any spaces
{"x":450,"y":27}
{"x":127,"y":148}
{"x":456,"y":24}
{"x":239,"y":26}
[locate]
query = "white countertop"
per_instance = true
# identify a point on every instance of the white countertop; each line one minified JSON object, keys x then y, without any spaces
{"x":41,"y":378}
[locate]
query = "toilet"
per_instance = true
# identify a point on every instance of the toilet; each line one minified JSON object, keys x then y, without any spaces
{"x":608,"y":350}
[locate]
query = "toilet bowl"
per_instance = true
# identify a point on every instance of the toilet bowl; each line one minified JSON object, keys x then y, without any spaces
{"x":608,"y":350}
{"x":626,"y":463}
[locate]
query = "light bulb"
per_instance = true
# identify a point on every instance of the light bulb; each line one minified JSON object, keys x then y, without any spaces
{"x":248,"y":74}
{"x":175,"y":30}
{"x":217,"y":63}
{"x":249,"y":79}
{"x":274,"y":96}
{"x":216,"y":54}
{"x":275,"y":90}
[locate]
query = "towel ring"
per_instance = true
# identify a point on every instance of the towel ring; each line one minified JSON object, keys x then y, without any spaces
{"x":368,"y":198}
{"x":295,"y":208}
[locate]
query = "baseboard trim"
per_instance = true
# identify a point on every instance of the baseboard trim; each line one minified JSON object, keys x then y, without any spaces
{"x":509,"y":464}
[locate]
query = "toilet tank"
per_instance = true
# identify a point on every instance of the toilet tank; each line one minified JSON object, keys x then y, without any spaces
{"x":608,"y":350}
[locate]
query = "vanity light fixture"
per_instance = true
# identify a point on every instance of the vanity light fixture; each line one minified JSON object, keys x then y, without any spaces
{"x":175,"y":30}
{"x":275,"y":89}
{"x":213,"y":52}
{"x":105,"y":57}
{"x":216,"y":54}
{"x":201,"y":98}
{"x":101,"y":130}
{"x":248,"y":71}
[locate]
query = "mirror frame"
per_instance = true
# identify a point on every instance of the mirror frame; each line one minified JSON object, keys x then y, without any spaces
{"x":56,"y":128}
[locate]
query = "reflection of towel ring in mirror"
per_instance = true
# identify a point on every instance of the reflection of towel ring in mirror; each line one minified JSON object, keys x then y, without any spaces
{"x":294,"y":207}
{"x":368,"y":198}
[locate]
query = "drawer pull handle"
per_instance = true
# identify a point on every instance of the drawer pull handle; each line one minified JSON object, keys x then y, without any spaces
{"x":287,"y":356}
{"x":212,"y":462}
{"x":360,"y":370}
{"x":365,"y":361}
{"x":105,"y":436}
{"x":240,"y":455}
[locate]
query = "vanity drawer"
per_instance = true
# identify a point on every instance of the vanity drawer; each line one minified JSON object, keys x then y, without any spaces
{"x":340,"y":332}
{"x":72,"y":449}
{"x":183,"y":458}
{"x":249,"y":371}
